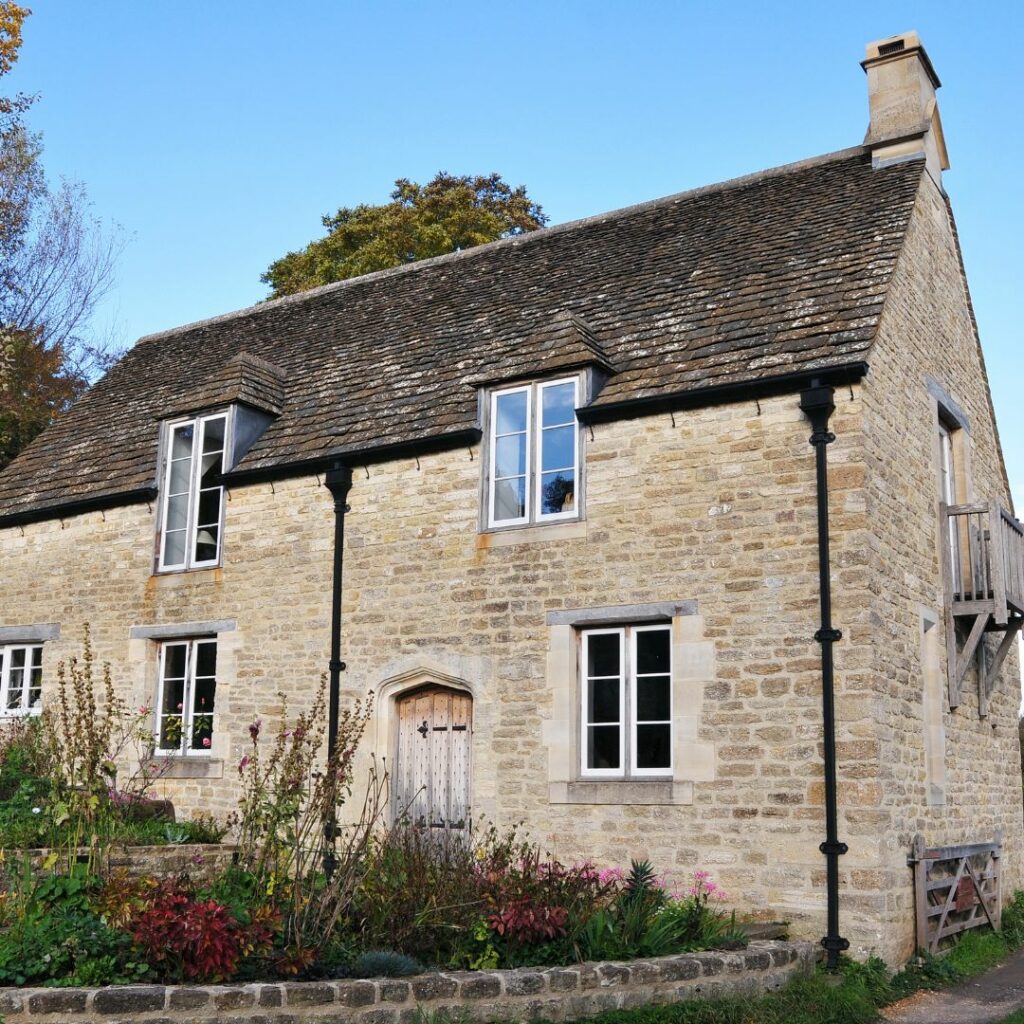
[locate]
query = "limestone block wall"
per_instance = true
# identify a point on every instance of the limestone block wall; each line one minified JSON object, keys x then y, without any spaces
{"x":950,"y":775}
{"x":712,"y":511}
{"x":545,"y":993}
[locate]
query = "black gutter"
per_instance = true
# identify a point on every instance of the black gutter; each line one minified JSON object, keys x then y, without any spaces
{"x":339,"y":482}
{"x":817,"y":401}
{"x":722,"y":394}
{"x":463,"y":438}
{"x":75,"y":508}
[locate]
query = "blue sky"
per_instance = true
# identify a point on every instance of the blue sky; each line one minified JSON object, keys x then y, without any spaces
{"x":217,"y":133}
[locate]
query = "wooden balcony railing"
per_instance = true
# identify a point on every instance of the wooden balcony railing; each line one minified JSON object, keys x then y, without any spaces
{"x":983,"y":571}
{"x":985,"y":563}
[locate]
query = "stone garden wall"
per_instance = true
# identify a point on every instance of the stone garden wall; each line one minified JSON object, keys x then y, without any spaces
{"x":551,"y":993}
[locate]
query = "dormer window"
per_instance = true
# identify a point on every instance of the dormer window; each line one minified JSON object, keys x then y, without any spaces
{"x":192,"y":502}
{"x":534,"y":461}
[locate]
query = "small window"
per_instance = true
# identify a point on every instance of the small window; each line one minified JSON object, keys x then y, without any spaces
{"x":21,"y":679}
{"x":626,"y":687}
{"x":191,"y":514}
{"x":185,"y":701}
{"x":534,"y":454}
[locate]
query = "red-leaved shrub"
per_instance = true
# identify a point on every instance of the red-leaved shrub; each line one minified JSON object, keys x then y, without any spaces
{"x":189,"y":939}
{"x":523,"y":922}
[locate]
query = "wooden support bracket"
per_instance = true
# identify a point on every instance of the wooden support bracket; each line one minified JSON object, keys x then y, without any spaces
{"x":963,"y":661}
{"x":1012,"y":629}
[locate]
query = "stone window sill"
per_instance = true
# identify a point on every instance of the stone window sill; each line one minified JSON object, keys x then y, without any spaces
{"x":622,"y":792}
{"x":190,"y":767}
{"x":575,"y":529}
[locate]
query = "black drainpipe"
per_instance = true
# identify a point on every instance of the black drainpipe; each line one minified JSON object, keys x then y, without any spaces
{"x":817,"y":402}
{"x":339,"y":482}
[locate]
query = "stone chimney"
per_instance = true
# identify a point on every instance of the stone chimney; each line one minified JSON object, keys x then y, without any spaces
{"x":904,"y":113}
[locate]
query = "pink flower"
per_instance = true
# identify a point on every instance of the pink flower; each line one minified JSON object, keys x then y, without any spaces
{"x":206,"y":741}
{"x":143,"y":710}
{"x":243,"y":764}
{"x":180,"y":706}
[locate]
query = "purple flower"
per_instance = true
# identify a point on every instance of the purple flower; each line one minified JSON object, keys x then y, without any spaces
{"x":254,"y":730}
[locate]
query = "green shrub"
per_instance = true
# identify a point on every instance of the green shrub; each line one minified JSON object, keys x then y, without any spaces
{"x":384,"y":964}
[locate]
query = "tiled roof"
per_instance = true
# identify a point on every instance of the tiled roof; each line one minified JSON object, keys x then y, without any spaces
{"x":782,"y":271}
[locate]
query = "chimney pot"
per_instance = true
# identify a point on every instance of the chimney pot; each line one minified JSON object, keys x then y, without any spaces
{"x":905,"y":121}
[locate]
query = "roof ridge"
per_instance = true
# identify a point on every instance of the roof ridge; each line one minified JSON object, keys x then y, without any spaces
{"x":524,"y":239}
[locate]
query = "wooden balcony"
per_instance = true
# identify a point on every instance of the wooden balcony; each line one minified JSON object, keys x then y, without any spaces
{"x":983,"y":577}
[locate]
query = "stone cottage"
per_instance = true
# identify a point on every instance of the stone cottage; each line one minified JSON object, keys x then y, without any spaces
{"x":562,"y":488}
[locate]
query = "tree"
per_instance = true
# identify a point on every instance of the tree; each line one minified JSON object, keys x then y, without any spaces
{"x":447,"y":214}
{"x":56,"y":264}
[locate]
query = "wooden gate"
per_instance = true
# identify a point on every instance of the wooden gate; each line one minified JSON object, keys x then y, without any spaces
{"x":432,"y":776}
{"x":955,"y":888}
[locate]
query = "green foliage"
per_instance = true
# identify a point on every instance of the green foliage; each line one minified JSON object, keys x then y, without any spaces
{"x":644,"y":920}
{"x":384,"y":964}
{"x":52,"y":935}
{"x":448,"y":213}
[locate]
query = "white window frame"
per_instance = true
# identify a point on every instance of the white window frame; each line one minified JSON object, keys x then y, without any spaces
{"x":188,"y":699}
{"x":492,"y":487}
{"x":602,"y":773}
{"x":627,"y":700}
{"x":7,"y":650}
{"x":546,"y":517}
{"x":198,"y":424}
{"x":534,"y":461}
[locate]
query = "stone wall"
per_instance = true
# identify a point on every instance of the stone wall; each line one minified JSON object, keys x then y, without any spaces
{"x":928,"y":346}
{"x":549,"y":993}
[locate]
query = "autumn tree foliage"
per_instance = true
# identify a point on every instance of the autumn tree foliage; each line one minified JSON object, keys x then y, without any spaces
{"x":448,"y":213}
{"x":56,"y":263}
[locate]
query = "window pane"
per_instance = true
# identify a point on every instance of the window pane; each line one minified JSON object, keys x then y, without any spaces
{"x":174,"y":547}
{"x":206,"y":544}
{"x":510,"y":499}
{"x":603,"y":746}
{"x":202,"y":732}
{"x":603,"y":700}
{"x":212,"y":466}
{"x":652,"y":699}
{"x":209,"y":507}
{"x":510,"y":456}
{"x":558,"y":404}
{"x":35,"y":686}
{"x":558,"y":492}
{"x":511,"y":416}
{"x":603,"y":654}
{"x":15,"y":684}
{"x":174,"y":696}
{"x":206,"y":658}
{"x":652,"y":651}
{"x":181,"y":444}
{"x":18,"y":658}
{"x":653,"y":746}
{"x":557,"y":448}
{"x":177,"y":512}
{"x":170,"y":732}
{"x":213,"y":435}
{"x":174,"y":661}
{"x":181,"y":472}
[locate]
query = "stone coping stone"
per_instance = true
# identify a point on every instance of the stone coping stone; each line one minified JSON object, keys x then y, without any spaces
{"x":527,"y":993}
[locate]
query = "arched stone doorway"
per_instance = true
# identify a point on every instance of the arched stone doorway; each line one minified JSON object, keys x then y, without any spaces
{"x":432,"y":773}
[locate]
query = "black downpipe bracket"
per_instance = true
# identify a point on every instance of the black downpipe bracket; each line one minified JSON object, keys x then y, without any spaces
{"x":817,"y":402}
{"x":338,"y":480}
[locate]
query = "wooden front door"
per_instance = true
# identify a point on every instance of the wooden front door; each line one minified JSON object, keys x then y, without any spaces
{"x":435,"y":727}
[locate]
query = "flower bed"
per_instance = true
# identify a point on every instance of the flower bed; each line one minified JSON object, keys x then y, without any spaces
{"x":296,"y":897}
{"x":552,"y":993}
